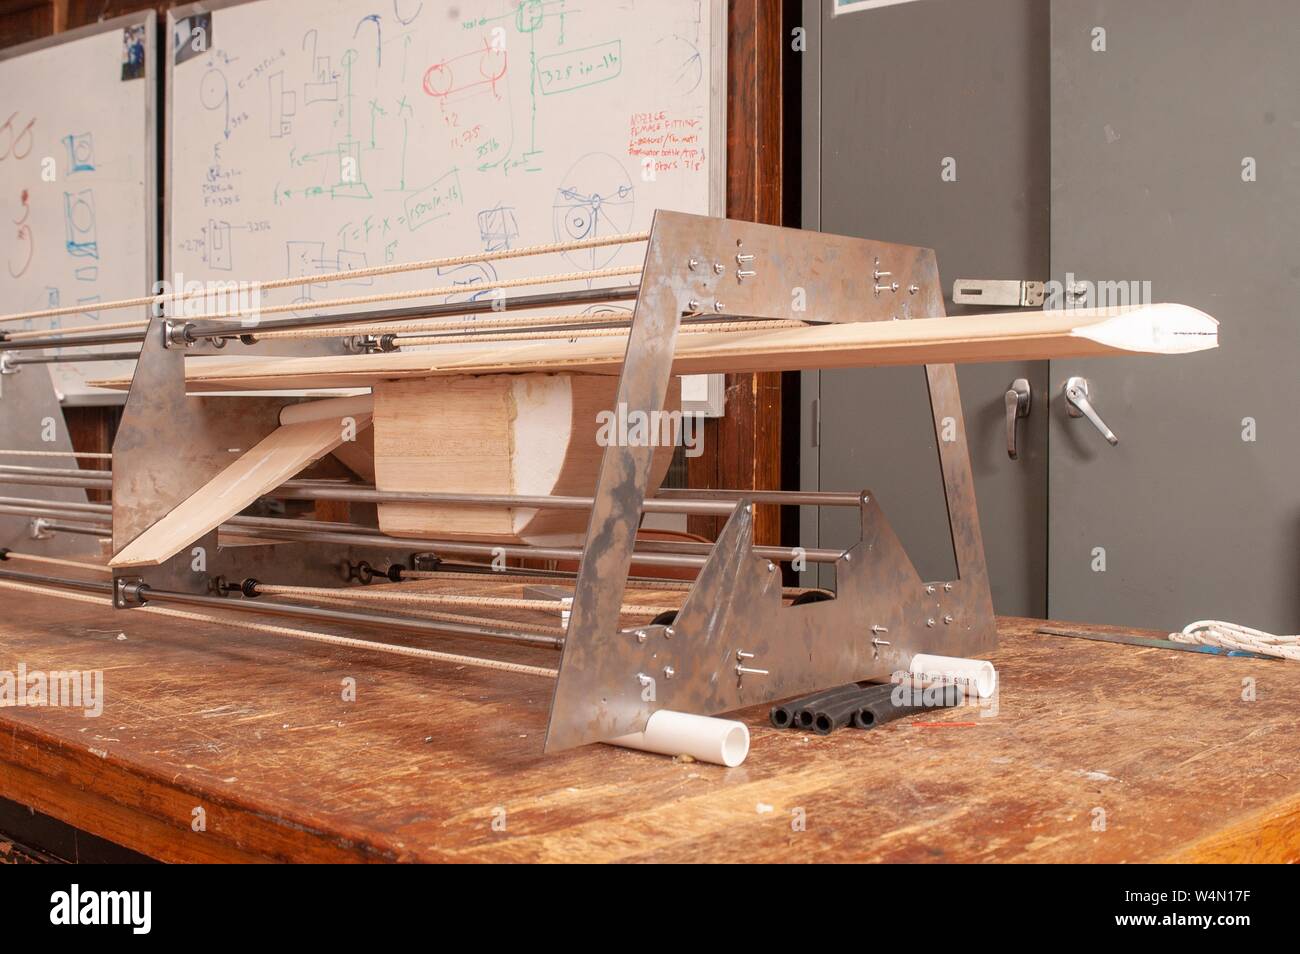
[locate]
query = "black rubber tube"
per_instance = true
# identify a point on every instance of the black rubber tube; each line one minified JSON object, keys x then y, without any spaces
{"x":839,"y":711}
{"x":786,"y":714}
{"x":876,"y":712}
{"x":806,"y":714}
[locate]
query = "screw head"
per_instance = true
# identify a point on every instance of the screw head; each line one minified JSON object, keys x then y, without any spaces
{"x":669,"y":672}
{"x":930,"y":622}
{"x":947,"y":619}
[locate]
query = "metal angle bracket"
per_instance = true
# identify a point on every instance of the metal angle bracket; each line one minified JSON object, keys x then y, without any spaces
{"x":733,"y":643}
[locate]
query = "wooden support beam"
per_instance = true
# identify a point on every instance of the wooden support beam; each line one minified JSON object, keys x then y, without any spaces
{"x":743,"y":448}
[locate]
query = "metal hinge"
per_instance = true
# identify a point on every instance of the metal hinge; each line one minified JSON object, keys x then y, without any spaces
{"x":1001,"y":293}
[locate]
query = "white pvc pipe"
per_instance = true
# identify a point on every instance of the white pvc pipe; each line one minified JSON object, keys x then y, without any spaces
{"x":330,"y":407}
{"x":703,"y":738}
{"x":977,"y":674}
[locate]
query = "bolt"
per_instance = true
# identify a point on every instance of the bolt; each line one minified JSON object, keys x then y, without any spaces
{"x":669,"y":672}
{"x":947,"y":587}
{"x":692,"y":264}
{"x":881,"y":642}
{"x":668,"y":632}
{"x":930,"y":589}
{"x":719,"y":307}
{"x":877,"y":628}
{"x":947,"y":619}
{"x":640,"y":636}
{"x":930,"y":622}
{"x":719,"y":268}
{"x":913,"y":289}
{"x":771,"y":567}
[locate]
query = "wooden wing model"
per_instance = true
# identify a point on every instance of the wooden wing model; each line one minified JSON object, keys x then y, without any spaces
{"x":499,"y":427}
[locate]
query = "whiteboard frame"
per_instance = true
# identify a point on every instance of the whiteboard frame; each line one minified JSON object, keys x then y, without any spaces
{"x":152,"y":120}
{"x":717,"y":107}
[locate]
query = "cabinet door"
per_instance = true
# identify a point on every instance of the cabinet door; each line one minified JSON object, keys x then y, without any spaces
{"x":893,"y":97}
{"x":1176,"y":161}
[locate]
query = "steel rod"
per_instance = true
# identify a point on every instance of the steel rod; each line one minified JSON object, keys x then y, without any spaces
{"x":55,"y":471}
{"x":235,"y":329}
{"x":69,"y":505}
{"x":461,"y":547}
{"x":47,"y":511}
{"x":783,"y":497}
{"x":71,"y":358}
{"x":369,"y":495}
{"x":83,"y":482}
{"x":92,"y":586}
{"x":84,"y":530}
{"x":59,"y":341}
{"x":691,"y":555}
{"x":405,"y":624}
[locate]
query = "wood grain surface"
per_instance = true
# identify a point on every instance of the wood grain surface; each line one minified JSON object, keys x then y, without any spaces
{"x":253,"y":729}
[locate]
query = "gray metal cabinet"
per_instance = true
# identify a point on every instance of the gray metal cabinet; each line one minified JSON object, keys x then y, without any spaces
{"x":890,"y":95}
{"x":1196,"y":512}
{"x":1171,"y":157}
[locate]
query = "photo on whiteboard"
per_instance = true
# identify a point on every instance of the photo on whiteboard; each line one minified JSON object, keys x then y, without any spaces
{"x":133,"y":52}
{"x":191,"y":36}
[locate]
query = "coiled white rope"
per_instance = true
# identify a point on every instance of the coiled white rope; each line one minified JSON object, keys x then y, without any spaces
{"x":1215,"y":632}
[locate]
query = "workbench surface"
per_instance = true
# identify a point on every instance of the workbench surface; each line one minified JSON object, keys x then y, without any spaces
{"x":1095,"y":752}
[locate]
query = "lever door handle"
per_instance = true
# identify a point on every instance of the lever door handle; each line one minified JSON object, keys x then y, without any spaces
{"x":1077,"y":404}
{"x":1018,"y":400}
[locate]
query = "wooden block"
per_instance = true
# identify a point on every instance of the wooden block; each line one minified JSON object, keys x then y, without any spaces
{"x":531,"y":434}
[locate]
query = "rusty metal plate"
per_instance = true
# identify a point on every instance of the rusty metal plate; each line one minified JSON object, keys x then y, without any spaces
{"x":610,"y":681}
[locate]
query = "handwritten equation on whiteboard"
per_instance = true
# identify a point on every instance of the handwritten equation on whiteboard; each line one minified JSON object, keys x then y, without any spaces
{"x":333,"y":135}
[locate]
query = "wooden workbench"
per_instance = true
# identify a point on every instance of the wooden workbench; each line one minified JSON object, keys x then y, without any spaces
{"x":252,"y":728}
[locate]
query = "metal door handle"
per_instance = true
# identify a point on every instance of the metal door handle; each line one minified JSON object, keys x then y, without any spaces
{"x":1078,"y":405}
{"x":1018,"y":398}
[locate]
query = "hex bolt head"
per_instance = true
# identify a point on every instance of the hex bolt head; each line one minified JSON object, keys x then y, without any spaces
{"x":930,"y":622}
{"x":669,"y":672}
{"x":947,"y":619}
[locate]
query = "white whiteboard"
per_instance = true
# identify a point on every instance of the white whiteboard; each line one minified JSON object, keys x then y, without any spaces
{"x":312,"y":136}
{"x":77,"y":193}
